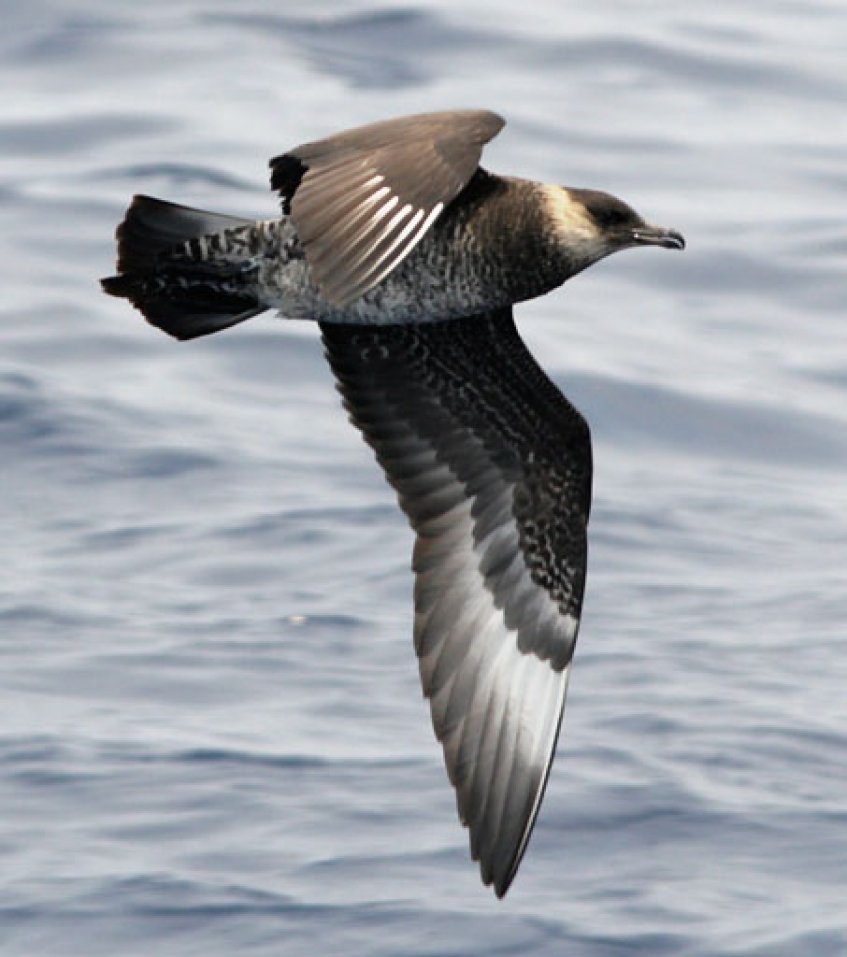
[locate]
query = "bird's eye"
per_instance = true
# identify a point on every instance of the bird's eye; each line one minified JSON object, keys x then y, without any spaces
{"x":608,"y":217}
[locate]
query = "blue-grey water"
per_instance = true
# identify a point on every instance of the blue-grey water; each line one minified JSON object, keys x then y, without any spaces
{"x":212,"y":739}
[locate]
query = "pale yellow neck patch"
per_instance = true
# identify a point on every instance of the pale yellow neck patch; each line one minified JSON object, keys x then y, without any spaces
{"x":574,"y":226}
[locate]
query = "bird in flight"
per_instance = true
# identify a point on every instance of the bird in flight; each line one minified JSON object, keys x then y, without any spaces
{"x":410,"y":256}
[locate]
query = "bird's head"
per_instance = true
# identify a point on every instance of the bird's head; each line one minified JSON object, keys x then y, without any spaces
{"x":590,"y":225}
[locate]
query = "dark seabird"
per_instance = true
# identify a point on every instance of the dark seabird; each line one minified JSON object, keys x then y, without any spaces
{"x":411,"y":256}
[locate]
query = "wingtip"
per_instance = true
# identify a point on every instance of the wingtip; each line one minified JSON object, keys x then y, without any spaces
{"x":500,"y":879}
{"x":492,"y":873}
{"x":499,"y":883}
{"x":501,"y":888}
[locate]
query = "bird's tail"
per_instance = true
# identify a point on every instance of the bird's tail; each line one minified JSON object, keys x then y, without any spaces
{"x":189,"y":272}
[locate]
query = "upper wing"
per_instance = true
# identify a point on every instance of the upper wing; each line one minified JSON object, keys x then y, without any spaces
{"x":492,"y":466}
{"x":361,"y":200}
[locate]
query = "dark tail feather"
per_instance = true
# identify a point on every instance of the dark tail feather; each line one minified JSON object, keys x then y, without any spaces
{"x":154,"y":226}
{"x":185,"y":304}
{"x":184,"y":297}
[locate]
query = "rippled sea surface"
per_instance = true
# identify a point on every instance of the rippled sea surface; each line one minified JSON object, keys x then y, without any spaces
{"x":212,"y":737}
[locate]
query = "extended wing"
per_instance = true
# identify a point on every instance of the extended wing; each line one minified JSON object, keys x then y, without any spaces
{"x":492,"y":466}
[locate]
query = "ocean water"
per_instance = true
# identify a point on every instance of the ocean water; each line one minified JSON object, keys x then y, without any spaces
{"x":212,"y":738}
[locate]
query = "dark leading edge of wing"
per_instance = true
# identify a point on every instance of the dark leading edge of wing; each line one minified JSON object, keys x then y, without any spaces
{"x":492,"y":466}
{"x":362,"y":200}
